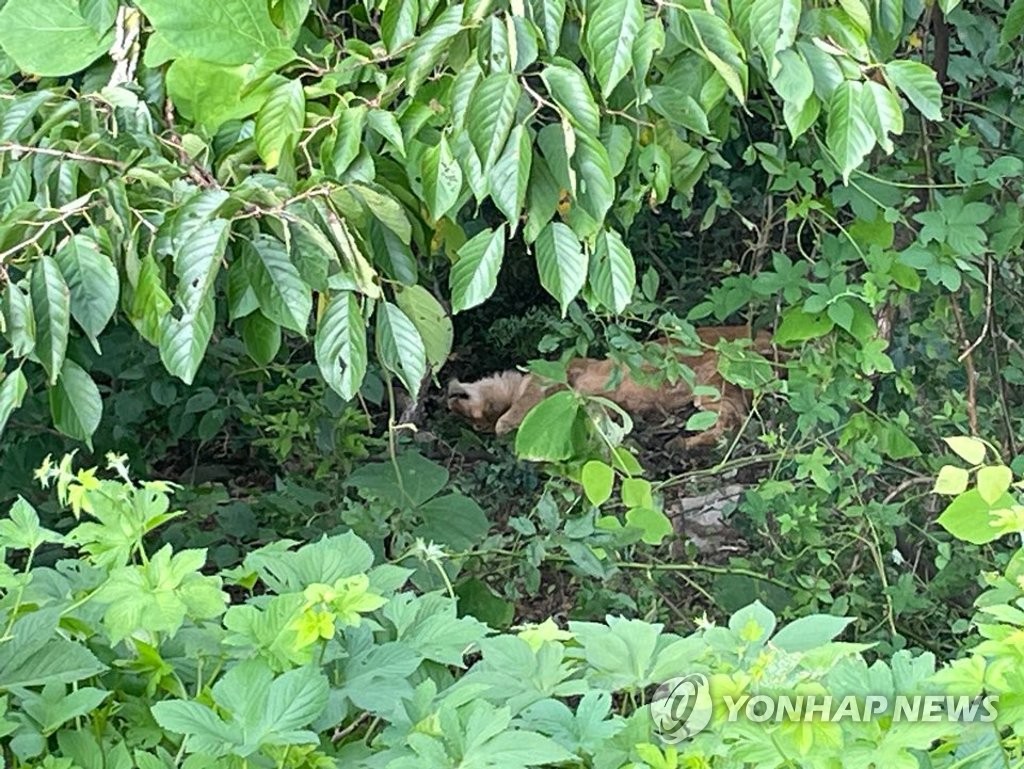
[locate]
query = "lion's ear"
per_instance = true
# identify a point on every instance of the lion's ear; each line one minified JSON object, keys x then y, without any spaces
{"x":455,"y":387}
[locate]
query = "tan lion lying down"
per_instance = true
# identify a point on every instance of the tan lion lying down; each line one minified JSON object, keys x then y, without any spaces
{"x":499,"y":403}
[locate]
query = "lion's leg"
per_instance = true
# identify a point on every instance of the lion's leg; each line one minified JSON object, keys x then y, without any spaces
{"x":512,"y":418}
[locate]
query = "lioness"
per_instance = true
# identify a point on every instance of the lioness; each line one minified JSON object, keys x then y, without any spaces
{"x":499,"y":403}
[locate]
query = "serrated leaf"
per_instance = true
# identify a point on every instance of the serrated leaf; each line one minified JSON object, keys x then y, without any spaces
{"x":510,"y":175}
{"x":561,"y":263}
{"x":612,"y":272}
{"x":279,"y":122}
{"x":12,"y":392}
{"x":971,"y":450}
{"x":570,"y":90}
{"x":430,"y":319}
{"x":184,"y":339}
{"x":262,"y":338}
{"x":490,"y":114}
{"x":474,"y":276}
{"x":773,"y":25}
{"x":849,"y":135}
{"x":92,"y":281}
{"x":608,"y":35}
{"x":398,"y":23}
{"x":340,"y":345}
{"x":883,"y":113}
{"x":51,"y":312}
{"x":428,"y":50}
{"x":400,"y":347}
{"x":442,"y":179}
{"x":918,"y":83}
{"x":75,"y":403}
{"x":283,"y":296}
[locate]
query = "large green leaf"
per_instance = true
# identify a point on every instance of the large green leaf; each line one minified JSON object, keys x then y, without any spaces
{"x":279,"y":122}
{"x":549,"y":16}
{"x":52,"y":38}
{"x":454,"y":520}
{"x":510,"y":175}
{"x":849,"y":136}
{"x":430,"y":319}
{"x":608,"y":35}
{"x":400,"y":347}
{"x":12,"y":393}
{"x":710,"y":36}
{"x":149,"y":301}
{"x":561,"y":263}
{"x":612,"y":272}
{"x":1013,"y":24}
{"x":398,"y":23}
{"x":283,"y":296}
{"x":474,"y":276}
{"x":20,"y":325}
{"x":51,"y":312}
{"x":75,"y":403}
{"x":262,"y":338}
{"x":442,"y":178}
{"x":918,"y":83}
{"x":490,"y":114}
{"x":551,"y":430}
{"x":883,"y":113}
{"x":773,"y":25}
{"x":596,"y":189}
{"x":340,"y":345}
{"x":213,"y":94}
{"x":349,"y":138}
{"x":431,"y":46}
{"x":198,"y":252}
{"x":184,"y":339}
{"x":793,"y":80}
{"x":571,"y":91}
{"x":92,"y":282}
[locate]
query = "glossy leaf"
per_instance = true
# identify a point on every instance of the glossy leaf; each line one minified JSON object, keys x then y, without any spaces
{"x":561,"y":263}
{"x":918,"y":83}
{"x":280,"y":121}
{"x":608,"y":35}
{"x":490,"y":114}
{"x":400,"y":347}
{"x":612,"y":272}
{"x":92,"y":281}
{"x":283,"y":296}
{"x":340,"y":345}
{"x":849,"y":135}
{"x":51,"y":312}
{"x":474,"y":275}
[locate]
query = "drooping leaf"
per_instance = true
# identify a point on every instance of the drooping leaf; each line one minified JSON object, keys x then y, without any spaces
{"x":279,"y":122}
{"x":283,"y":296}
{"x":431,"y":46}
{"x":849,"y":136}
{"x":571,"y":91}
{"x":711,"y":37}
{"x":883,"y":113}
{"x":612,"y":272}
{"x":430,"y":319}
{"x":442,"y":179}
{"x":773,"y":24}
{"x":398,"y":23}
{"x":550,"y":430}
{"x":918,"y":83}
{"x":490,"y":114}
{"x":75,"y":403}
{"x":400,"y":347}
{"x":51,"y":39}
{"x":594,"y":172}
{"x":608,"y":35}
{"x":549,"y":16}
{"x":184,"y":339}
{"x":1013,"y":22}
{"x":92,"y":281}
{"x":510,"y":175}
{"x":561,"y":262}
{"x":340,"y":345}
{"x":262,"y":338}
{"x":12,"y":392}
{"x":474,"y":275}
{"x":348,"y":140}
{"x":51,"y":312}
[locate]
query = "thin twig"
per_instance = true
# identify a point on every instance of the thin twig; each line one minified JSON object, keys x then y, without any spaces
{"x":18,"y":149}
{"x":968,"y":361}
{"x":988,"y":317}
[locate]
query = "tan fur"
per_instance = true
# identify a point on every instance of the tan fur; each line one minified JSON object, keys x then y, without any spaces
{"x":499,"y":403}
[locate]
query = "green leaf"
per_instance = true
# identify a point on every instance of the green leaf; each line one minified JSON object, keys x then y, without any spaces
{"x":198,"y":251}
{"x":793,"y":81}
{"x":283,"y":296}
{"x":799,"y":326}
{"x":710,"y":36}
{"x":918,"y":83}
{"x":51,"y":311}
{"x":773,"y":25}
{"x":349,"y":138}
{"x":279,"y":122}
{"x":561,"y":263}
{"x":612,"y":272}
{"x":454,"y":520}
{"x":12,"y":392}
{"x":1013,"y":23}
{"x":400,"y":347}
{"x":490,"y":114}
{"x":385,"y":123}
{"x":262,"y":338}
{"x":810,"y":632}
{"x":952,"y":480}
{"x":430,"y":319}
{"x":654,"y":523}
{"x":701,"y":421}
{"x":970,"y":518}
{"x":608,"y":35}
{"x":849,"y":135}
{"x":431,"y":46}
{"x":75,"y":403}
{"x":474,"y":276}
{"x":150,"y":302}
{"x":971,"y":450}
{"x":340,"y":345}
{"x":883,"y":113}
{"x":442,"y":178}
{"x":571,"y":91}
{"x":550,"y":430}
{"x":993,"y":482}
{"x":398,"y":23}
{"x":597,"y":478}
{"x":596,"y":189}
{"x":92,"y":282}
{"x":510,"y":175}
{"x":183,"y":340}
{"x":20,"y":322}
{"x":51,"y":39}
{"x":549,"y":16}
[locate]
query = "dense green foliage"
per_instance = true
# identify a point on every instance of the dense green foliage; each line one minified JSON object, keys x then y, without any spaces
{"x":241,"y":242}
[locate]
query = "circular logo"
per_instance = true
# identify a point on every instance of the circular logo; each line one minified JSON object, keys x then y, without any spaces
{"x":681,"y":707}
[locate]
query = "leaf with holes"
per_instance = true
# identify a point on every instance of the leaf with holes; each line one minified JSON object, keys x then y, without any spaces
{"x":442,"y":178}
{"x":279,"y":122}
{"x":400,"y":347}
{"x":340,"y":345}
{"x":198,"y":252}
{"x":608,"y":35}
{"x":612,"y":272}
{"x":75,"y":403}
{"x":283,"y":296}
{"x":490,"y":114}
{"x":561,"y":263}
{"x":51,"y":312}
{"x":184,"y":337}
{"x":92,"y":282}
{"x":474,"y":275}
